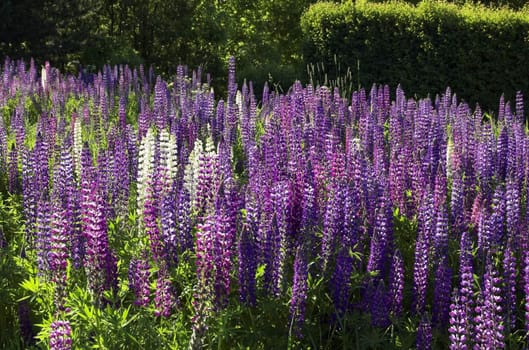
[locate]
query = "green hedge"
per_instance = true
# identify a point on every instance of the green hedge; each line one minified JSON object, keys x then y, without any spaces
{"x":477,"y":51}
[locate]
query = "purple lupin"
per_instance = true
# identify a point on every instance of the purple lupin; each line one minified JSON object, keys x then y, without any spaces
{"x":458,"y":329}
{"x":60,"y":335}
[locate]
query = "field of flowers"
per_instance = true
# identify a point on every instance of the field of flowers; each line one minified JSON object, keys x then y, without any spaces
{"x":137,"y":213}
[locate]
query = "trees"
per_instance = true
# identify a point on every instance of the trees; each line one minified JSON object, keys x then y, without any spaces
{"x":264,"y":35}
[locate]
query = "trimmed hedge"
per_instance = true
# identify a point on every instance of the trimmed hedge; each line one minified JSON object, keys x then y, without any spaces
{"x":478,"y":52}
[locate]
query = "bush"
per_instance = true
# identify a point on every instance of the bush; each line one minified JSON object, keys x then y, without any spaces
{"x":479,"y":52}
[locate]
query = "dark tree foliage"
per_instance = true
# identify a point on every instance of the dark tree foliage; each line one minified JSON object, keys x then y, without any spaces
{"x":265,"y":36}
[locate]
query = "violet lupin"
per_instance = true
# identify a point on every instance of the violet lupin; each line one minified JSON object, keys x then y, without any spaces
{"x":208,"y":180}
{"x":163,"y":299}
{"x":333,"y":221}
{"x":457,"y":214}
{"x":422,"y":251}
{"x":280,"y":196}
{"x":100,"y":265}
{"x":223,"y":243}
{"x":466,"y":276}
{"x":382,"y":239}
{"x":13,"y":170}
{"x":247,"y":251}
{"x":168,"y":227}
{"x":512,"y":209}
{"x":396,"y":285}
{"x":150,"y":222}
{"x":24,"y":321}
{"x":139,"y":279}
{"x":509,"y":286}
{"x":379,"y":305}
{"x":526,"y":289}
{"x":424,"y":334}
{"x":204,"y":294}
{"x":420,"y":272}
{"x":60,"y":335}
{"x":341,"y":284}
{"x":458,"y":329}
{"x":299,"y":292}
{"x":185,"y":238}
{"x":489,"y":326}
{"x":59,"y":252}
{"x":443,"y":286}
{"x":42,"y":237}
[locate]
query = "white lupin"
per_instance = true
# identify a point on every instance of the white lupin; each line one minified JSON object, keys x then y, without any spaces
{"x":145,"y":165}
{"x":191,"y":170}
{"x":77,"y":146}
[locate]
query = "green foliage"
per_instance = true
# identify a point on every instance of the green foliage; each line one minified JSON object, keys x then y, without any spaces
{"x":477,"y":51}
{"x":264,"y":35}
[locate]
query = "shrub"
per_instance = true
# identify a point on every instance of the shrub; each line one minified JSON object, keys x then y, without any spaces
{"x":478,"y":51}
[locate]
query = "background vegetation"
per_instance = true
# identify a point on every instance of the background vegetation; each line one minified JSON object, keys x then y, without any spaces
{"x":479,"y":52}
{"x":266,"y":38}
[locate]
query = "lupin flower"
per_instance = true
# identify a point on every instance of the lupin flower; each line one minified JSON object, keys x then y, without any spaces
{"x":509,"y":288}
{"x":59,"y":251}
{"x":150,"y":220}
{"x":247,"y":252}
{"x":223,"y":250}
{"x":185,"y":238}
{"x":139,"y":279}
{"x":299,"y":292}
{"x":424,"y":334}
{"x":526,"y":289}
{"x":24,"y":321}
{"x":379,"y":306}
{"x":60,"y":335}
{"x":458,"y":321}
{"x":42,"y":241}
{"x":333,"y":222}
{"x":443,"y":286}
{"x":163,"y":299}
{"x":204,"y":294}
{"x":13,"y":170}
{"x":489,"y":326}
{"x":396,"y":284}
{"x":145,"y":166}
{"x":168,"y":227}
{"x":100,"y":264}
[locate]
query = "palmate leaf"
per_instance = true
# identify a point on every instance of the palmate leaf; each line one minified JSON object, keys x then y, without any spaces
{"x":32,"y":285}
